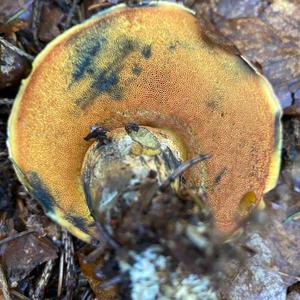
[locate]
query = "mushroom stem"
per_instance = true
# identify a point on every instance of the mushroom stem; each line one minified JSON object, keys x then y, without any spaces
{"x":113,"y":171}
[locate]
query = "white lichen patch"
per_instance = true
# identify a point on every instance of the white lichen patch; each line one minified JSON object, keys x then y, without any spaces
{"x":8,"y":65}
{"x":191,"y":287}
{"x":152,"y":278}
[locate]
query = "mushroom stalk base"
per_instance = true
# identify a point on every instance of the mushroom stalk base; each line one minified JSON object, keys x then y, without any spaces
{"x":112,"y":171}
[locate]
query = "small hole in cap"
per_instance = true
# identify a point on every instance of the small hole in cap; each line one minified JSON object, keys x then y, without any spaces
{"x":247,"y":203}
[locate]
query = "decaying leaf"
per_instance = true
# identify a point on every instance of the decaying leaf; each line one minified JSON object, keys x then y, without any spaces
{"x":279,"y":58}
{"x":51,"y":17}
{"x":273,"y":263}
{"x":13,"y":67}
{"x":267,"y":33}
{"x":21,"y":255}
{"x":14,"y":15}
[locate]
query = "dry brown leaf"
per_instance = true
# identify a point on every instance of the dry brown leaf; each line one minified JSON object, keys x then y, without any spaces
{"x":21,"y":255}
{"x":13,"y":67}
{"x":265,"y":33}
{"x":51,"y":18}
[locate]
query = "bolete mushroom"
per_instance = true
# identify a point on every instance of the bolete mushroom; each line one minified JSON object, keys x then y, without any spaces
{"x":154,"y":66}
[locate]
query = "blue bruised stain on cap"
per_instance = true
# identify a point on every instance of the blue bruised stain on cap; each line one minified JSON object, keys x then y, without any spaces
{"x":103,"y":80}
{"x":40,"y":192}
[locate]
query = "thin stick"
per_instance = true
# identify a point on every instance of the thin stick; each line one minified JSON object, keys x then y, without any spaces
{"x":11,"y":238}
{"x":4,"y":283}
{"x":113,"y":281}
{"x":106,"y":236}
{"x":288,"y":275}
{"x":6,"y":101}
{"x":95,"y":253}
{"x":19,"y":295}
{"x":71,"y":278}
{"x":23,"y":9}
{"x":86,"y":295}
{"x":61,"y":274}
{"x":293,"y":217}
{"x":15,"y":49}
{"x":36,"y":19}
{"x":42,"y":283}
{"x":71,"y":13}
{"x":182,"y":168}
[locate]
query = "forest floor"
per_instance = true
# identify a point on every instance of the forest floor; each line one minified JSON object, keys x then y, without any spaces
{"x":39,"y":260}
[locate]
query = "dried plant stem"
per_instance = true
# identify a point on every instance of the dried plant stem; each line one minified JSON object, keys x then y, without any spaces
{"x":96,"y":253}
{"x":71,"y":13}
{"x":106,"y":236}
{"x":111,"y":282}
{"x":19,"y":295}
{"x":182,"y":168}
{"x":15,"y":49}
{"x":289,"y":275}
{"x":42,"y":283}
{"x":4,"y":284}
{"x":36,"y":18}
{"x":6,"y":101}
{"x":11,"y":238}
{"x":71,"y":279}
{"x":61,"y":274}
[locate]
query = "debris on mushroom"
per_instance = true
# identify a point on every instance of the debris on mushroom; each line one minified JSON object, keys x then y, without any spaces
{"x":13,"y":67}
{"x":112,"y":172}
{"x":165,"y":247}
{"x":154,"y":66}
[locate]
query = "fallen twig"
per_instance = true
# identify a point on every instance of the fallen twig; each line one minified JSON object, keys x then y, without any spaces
{"x":106,"y":238}
{"x":21,"y":11}
{"x":111,"y":282}
{"x":71,"y":279}
{"x":36,"y":18}
{"x":15,"y":49}
{"x":71,"y":13}
{"x":4,"y":284}
{"x":42,"y":283}
{"x":6,"y":101}
{"x":19,"y":295}
{"x":11,"y":238}
{"x":293,"y":217}
{"x":182,"y":168}
{"x":61,"y":274}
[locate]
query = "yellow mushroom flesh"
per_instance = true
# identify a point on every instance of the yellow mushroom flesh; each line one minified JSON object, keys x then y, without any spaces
{"x":113,"y":172}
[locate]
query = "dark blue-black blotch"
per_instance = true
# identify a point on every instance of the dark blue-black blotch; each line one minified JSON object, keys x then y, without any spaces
{"x":277,"y":129}
{"x":136,"y":70}
{"x":147,"y":51}
{"x":107,"y":80}
{"x":77,"y":221}
{"x":85,"y":57}
{"x":219,"y":177}
{"x":40,"y":192}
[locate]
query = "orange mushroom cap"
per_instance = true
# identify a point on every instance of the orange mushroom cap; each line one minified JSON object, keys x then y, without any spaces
{"x":154,"y":66}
